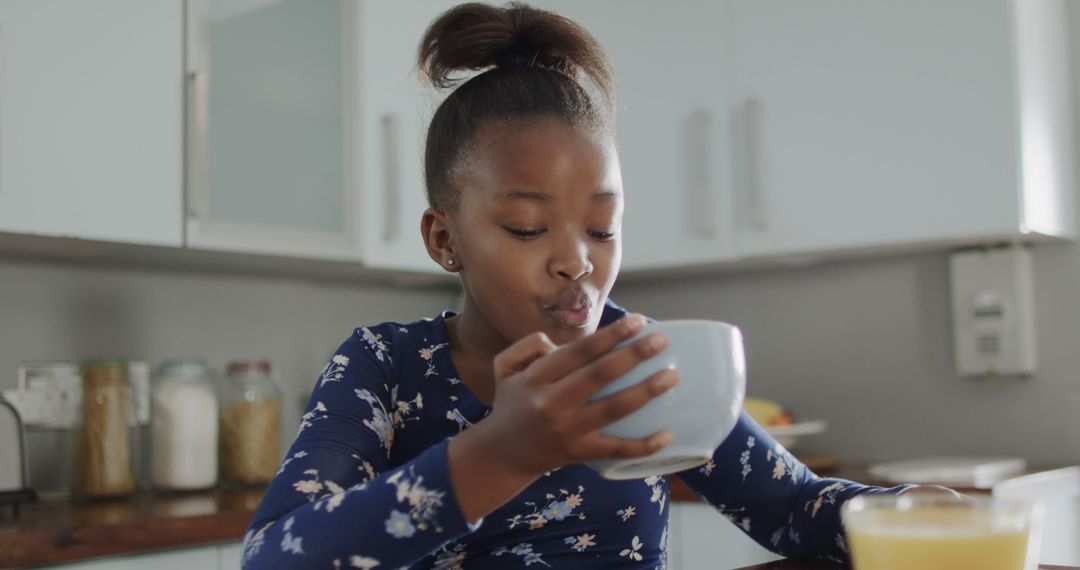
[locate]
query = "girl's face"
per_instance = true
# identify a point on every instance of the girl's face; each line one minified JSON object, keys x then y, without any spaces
{"x":537,"y":227}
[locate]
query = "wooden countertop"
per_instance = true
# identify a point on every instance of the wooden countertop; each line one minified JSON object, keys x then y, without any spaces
{"x":52,"y":532}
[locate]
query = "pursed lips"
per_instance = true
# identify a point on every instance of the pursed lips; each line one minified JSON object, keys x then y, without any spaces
{"x":571,"y":309}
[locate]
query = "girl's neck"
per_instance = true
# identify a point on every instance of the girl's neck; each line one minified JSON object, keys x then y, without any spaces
{"x":474,"y":343}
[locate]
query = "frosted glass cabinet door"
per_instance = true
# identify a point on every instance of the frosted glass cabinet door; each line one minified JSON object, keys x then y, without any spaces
{"x":672,"y":65}
{"x":91,"y":119}
{"x":269,"y":144}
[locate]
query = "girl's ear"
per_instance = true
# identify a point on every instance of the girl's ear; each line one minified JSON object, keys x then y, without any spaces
{"x":436,"y":233}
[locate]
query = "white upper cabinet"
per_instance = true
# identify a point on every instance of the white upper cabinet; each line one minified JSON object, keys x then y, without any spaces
{"x":394,"y":111}
{"x":747,"y":129}
{"x":870,"y":123}
{"x":673,"y":128}
{"x":91,"y":142}
{"x":269,"y":142}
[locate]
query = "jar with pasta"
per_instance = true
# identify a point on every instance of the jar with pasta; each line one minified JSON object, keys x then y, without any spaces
{"x":103,"y":453}
{"x":248,"y":431}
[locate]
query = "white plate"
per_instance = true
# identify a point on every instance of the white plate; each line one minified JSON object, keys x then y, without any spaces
{"x":788,"y":435}
{"x":977,"y":472}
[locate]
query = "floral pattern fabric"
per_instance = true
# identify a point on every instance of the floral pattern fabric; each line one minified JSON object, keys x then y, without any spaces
{"x":366,"y":482}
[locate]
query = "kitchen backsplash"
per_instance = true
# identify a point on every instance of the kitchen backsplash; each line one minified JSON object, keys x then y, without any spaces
{"x":865,"y":344}
{"x":65,"y":312}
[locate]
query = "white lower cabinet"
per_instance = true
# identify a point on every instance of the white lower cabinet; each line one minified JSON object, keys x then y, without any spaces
{"x":223,"y":557}
{"x":700,"y":537}
{"x":183,"y":559}
{"x":229,"y":556}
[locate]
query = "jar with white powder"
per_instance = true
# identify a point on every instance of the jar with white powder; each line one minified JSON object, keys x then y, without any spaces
{"x":184,"y":433}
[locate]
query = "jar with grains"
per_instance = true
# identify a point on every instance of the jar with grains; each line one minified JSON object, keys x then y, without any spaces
{"x":248,"y":433}
{"x":103,"y":453}
{"x":184,"y":427}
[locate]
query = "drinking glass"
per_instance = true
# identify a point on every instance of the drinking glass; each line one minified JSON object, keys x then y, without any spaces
{"x":932,"y":532}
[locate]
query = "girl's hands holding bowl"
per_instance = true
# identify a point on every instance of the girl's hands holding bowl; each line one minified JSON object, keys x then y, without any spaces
{"x":542,"y":417}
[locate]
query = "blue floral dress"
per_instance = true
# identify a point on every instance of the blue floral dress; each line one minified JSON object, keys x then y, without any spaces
{"x":366,"y":482}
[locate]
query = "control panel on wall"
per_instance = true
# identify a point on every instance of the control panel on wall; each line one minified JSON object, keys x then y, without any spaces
{"x":993,"y":310}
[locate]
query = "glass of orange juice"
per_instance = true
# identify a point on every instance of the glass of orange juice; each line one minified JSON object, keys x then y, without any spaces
{"x":938,"y":532}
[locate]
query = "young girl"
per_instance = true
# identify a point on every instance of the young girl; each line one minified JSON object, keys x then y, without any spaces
{"x":458,"y":441}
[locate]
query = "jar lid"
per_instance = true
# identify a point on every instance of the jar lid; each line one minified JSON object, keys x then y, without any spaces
{"x":183,"y":367}
{"x":248,"y":366}
{"x":105,"y":369}
{"x":105,"y":365}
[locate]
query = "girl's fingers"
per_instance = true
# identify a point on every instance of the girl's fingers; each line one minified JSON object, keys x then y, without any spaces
{"x":600,"y":413}
{"x":600,"y":447}
{"x":581,"y":352}
{"x":521,"y":354}
{"x":584,"y":382}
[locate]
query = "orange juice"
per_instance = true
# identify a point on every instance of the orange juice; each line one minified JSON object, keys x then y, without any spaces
{"x":935,"y":532}
{"x":932,"y":538}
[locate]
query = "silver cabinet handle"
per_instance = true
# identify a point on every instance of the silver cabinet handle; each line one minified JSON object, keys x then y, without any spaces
{"x":197,"y":103}
{"x":391,"y":133}
{"x":703,"y":213}
{"x":754,"y":200}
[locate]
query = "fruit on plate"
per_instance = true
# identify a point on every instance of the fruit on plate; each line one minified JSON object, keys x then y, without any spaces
{"x":767,"y":412}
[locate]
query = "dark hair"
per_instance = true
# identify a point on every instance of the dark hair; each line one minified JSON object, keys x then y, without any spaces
{"x":534,"y":62}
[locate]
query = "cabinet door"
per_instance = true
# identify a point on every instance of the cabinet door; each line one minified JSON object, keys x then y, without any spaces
{"x":673,"y":130}
{"x":229,"y":556}
{"x":874,"y":122}
{"x":395,"y":109}
{"x":709,"y":540}
{"x":183,"y":559}
{"x":269,"y":142}
{"x":91,"y":107}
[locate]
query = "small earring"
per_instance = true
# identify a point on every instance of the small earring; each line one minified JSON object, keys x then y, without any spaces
{"x":449,"y":261}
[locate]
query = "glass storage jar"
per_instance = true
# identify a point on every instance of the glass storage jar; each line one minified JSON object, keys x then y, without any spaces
{"x":184,"y":427}
{"x":103,"y":453}
{"x":54,"y":389}
{"x":248,"y":434}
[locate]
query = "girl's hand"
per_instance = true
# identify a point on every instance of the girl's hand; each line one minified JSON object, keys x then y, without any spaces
{"x":542,"y":418}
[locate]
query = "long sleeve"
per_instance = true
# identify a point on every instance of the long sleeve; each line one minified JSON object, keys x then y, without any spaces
{"x":775,"y":499}
{"x":336,"y":501}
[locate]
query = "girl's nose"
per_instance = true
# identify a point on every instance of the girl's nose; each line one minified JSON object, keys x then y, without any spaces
{"x":570,"y":260}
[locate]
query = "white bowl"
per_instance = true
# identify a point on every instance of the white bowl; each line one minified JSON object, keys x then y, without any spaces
{"x":700,"y":411}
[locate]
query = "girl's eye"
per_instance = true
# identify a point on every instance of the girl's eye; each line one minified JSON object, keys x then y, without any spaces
{"x":525,"y":233}
{"x":602,"y":236}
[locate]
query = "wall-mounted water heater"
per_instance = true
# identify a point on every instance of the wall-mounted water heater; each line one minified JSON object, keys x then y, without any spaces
{"x":993,"y":306}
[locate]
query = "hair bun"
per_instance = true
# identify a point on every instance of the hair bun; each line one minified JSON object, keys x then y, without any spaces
{"x":477,"y":36}
{"x":513,"y":58}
